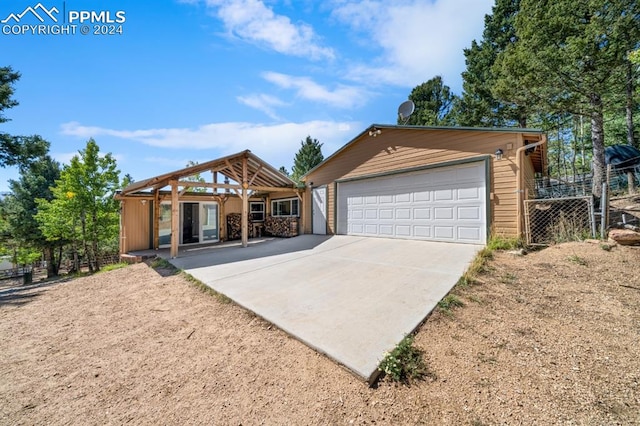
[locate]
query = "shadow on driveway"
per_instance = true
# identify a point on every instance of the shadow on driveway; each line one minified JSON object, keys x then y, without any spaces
{"x":232,"y":251}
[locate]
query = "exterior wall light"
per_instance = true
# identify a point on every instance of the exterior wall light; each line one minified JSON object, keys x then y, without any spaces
{"x":499,"y":154}
{"x":374,"y":132}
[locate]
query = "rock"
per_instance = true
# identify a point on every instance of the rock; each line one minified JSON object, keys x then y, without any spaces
{"x":625,"y":237}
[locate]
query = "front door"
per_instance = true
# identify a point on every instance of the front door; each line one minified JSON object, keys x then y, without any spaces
{"x":190,"y":223}
{"x":319,"y":210}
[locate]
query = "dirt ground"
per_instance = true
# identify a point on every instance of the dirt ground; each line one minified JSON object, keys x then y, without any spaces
{"x":547,"y":338}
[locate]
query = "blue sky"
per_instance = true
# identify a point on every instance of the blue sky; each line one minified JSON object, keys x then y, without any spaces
{"x":195,"y":80}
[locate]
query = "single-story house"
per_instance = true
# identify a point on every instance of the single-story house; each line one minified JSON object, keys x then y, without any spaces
{"x":197,"y":204}
{"x":431,"y":183}
{"x":413,"y":182}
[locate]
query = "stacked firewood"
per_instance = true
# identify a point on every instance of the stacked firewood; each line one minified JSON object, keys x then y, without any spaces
{"x":281,"y":226}
{"x":234,"y":226}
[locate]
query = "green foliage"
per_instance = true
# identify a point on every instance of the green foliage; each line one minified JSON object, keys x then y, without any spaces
{"x":433,"y":100}
{"x":196,"y":177}
{"x":284,"y":171}
{"x":15,"y":150}
{"x":161,"y":263}
{"x":404,"y":363}
{"x":570,"y":57}
{"x":83,"y":210}
{"x":478,"y":106}
{"x":634,"y":56}
{"x":308,"y":156}
{"x":114,"y":266}
{"x":450,"y":302}
{"x":8,"y":78}
{"x":500,"y":242}
{"x":578,"y":260}
{"x":20,"y":208}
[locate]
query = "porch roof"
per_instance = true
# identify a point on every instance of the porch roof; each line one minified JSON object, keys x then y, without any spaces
{"x":261,"y":176}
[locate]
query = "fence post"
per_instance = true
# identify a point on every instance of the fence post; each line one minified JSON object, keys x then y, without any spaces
{"x":604,"y":211}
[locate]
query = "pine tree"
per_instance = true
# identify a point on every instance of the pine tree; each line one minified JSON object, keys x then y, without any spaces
{"x":433,"y":100}
{"x":308,"y":156}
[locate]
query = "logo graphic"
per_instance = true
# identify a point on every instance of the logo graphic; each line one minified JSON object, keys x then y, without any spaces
{"x":43,"y":21}
{"x":34,"y":11}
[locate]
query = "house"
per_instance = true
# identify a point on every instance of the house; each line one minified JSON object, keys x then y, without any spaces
{"x":195,"y":205}
{"x":428,"y":183}
{"x":411,"y":182}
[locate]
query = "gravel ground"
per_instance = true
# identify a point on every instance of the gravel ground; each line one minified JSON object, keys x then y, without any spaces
{"x":546,"y":338}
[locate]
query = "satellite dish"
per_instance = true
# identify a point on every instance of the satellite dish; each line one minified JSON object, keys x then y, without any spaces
{"x":405,"y":110}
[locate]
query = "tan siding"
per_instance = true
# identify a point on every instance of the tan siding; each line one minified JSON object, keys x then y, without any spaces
{"x":399,"y":149}
{"x":306,"y":213}
{"x":331,"y":204}
{"x":136,"y":224}
{"x":529,"y":178}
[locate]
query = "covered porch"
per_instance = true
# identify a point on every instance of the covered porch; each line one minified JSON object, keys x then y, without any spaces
{"x":191,"y":205}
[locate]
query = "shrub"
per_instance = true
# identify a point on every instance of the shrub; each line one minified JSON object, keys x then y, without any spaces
{"x":404,"y":363}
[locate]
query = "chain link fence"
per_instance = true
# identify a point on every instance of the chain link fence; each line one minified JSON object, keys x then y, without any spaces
{"x":555,"y":220}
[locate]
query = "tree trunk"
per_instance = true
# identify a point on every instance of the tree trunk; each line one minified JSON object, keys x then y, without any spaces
{"x":59,"y":262}
{"x":52,"y":266}
{"x":629,"y":106}
{"x":94,"y":240}
{"x":87,"y":250}
{"x":630,"y":139}
{"x":597,"y":139}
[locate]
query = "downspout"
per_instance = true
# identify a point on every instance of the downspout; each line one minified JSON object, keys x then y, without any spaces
{"x":520,"y":183}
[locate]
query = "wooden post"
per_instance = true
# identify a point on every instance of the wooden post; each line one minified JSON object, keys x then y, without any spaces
{"x":175,"y":218}
{"x":123,"y":230}
{"x":245,"y":204}
{"x":222,"y":223}
{"x":156,"y":219}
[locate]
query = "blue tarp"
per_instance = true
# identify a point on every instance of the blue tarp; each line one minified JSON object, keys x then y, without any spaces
{"x":622,"y":157}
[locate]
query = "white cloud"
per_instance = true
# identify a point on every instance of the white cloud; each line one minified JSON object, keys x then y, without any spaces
{"x":342,"y":96}
{"x":275,"y":143}
{"x":419,"y":38}
{"x":263,"y":102}
{"x":255,"y":22}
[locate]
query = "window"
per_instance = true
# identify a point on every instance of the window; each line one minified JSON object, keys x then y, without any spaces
{"x":256,"y":208}
{"x":285,"y":207}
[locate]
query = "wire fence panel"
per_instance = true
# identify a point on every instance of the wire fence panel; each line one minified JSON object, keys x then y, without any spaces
{"x":555,"y":220}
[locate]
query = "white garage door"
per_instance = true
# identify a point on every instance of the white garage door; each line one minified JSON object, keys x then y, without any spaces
{"x":441,"y":204}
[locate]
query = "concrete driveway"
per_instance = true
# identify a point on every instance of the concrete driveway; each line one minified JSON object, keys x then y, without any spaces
{"x":351,"y":298}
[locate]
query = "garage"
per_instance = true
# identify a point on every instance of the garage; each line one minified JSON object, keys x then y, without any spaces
{"x":436,"y":204}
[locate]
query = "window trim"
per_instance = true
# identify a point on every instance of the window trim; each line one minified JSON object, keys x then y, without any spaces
{"x":290,"y":200}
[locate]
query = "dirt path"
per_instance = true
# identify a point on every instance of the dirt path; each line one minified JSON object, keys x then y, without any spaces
{"x":548,"y":338}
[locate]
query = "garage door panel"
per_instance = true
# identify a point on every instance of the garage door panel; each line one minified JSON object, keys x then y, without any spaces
{"x":421,"y":196}
{"x":422,"y":231}
{"x":447,"y":204}
{"x":469,"y":213}
{"x":444,"y":232}
{"x":468,"y":234}
{"x":403,"y":214}
{"x":386,"y":230}
{"x":370,"y":229}
{"x":421,"y":213}
{"x":386,"y":214}
{"x":443,"y":195}
{"x":443,"y":213}
{"x":472,"y":193}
